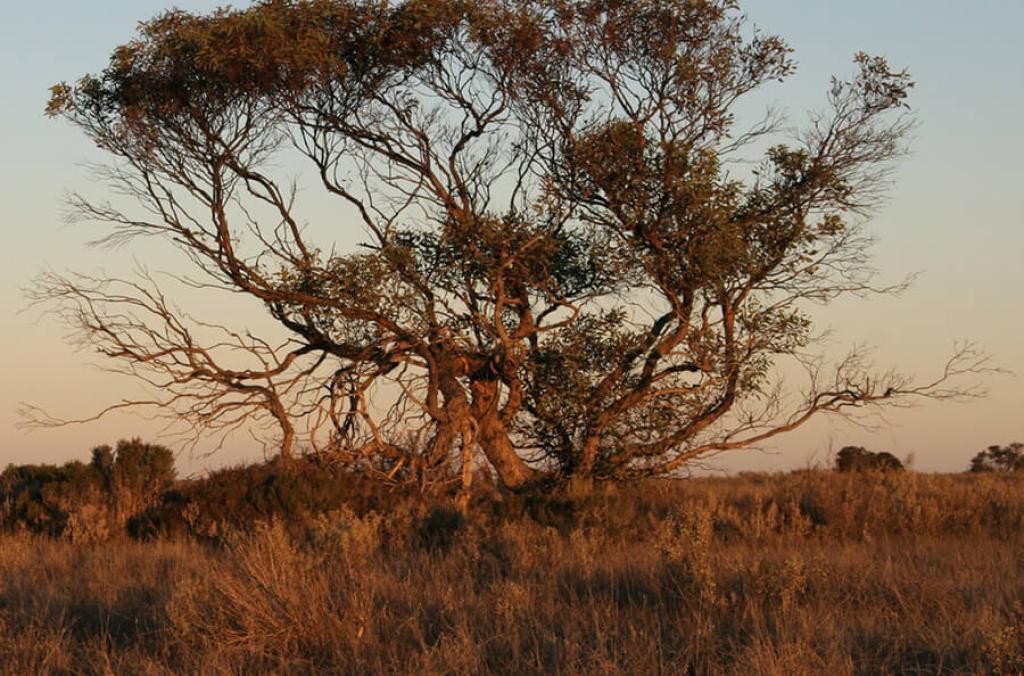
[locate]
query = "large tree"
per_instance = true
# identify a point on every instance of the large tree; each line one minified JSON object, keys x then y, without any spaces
{"x":568,"y":262}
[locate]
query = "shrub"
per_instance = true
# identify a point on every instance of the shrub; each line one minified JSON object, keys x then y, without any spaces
{"x":239,"y":497}
{"x":440,"y":528}
{"x":859,"y":459}
{"x":86,"y":501}
{"x":42,"y":498}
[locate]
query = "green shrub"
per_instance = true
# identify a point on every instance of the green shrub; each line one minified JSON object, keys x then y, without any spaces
{"x":138,"y":468}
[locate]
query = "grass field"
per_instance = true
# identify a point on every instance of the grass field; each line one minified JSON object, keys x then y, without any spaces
{"x":785,"y":574}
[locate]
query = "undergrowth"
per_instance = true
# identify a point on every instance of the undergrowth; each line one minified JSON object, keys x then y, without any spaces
{"x":799,"y":573}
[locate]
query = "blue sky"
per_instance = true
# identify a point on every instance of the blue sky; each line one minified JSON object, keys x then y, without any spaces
{"x":955,"y":215}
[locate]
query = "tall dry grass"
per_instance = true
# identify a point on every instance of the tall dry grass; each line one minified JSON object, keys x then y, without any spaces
{"x":786,"y":574}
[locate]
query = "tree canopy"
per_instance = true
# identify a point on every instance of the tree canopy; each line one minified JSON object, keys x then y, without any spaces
{"x":565,"y":264}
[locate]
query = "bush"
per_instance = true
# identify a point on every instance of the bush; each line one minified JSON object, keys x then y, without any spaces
{"x":240,"y":497}
{"x":859,"y":459}
{"x":81,"y":501}
{"x":43,"y":498}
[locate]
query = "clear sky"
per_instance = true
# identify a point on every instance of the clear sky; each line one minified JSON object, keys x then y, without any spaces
{"x":956,"y":216}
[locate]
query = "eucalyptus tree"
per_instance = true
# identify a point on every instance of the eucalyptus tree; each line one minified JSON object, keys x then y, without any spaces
{"x":574,"y":261}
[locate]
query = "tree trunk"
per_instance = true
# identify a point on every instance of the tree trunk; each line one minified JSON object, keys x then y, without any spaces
{"x":288,"y":442}
{"x":493,"y":438}
{"x":287,"y":429}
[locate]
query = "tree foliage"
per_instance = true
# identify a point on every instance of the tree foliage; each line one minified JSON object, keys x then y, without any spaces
{"x":563,"y":266}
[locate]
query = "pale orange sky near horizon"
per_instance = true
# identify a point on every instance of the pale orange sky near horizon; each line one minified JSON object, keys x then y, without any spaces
{"x":955,"y":216}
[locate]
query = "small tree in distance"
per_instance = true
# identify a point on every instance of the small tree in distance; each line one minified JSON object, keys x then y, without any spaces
{"x":563,"y":271}
{"x":1008,"y":458}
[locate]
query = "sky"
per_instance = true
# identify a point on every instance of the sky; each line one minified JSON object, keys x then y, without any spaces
{"x":955,"y":217}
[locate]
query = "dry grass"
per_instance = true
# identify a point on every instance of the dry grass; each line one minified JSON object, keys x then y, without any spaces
{"x":759,"y":575}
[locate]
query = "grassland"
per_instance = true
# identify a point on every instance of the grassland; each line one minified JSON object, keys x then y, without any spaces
{"x":787,"y":574}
